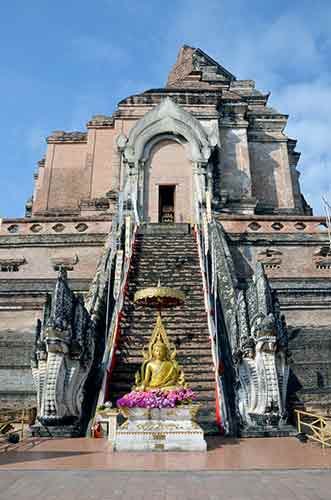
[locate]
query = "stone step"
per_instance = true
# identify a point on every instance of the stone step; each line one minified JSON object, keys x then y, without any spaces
{"x":174,"y":260}
{"x":187,"y":241}
{"x":191,"y":305}
{"x":178,"y":266}
{"x":182,"y":347}
{"x":190,"y":292}
{"x":145,"y":329}
{"x":179,"y":273}
{"x":179,"y":258}
{"x":186,"y":362}
{"x":150,"y":314}
{"x":168,"y":229}
{"x":176,"y":336}
{"x":182,"y":329}
{"x":199,"y":373}
{"x":183,"y":318}
{"x":183,"y":248}
{"x":198,"y":350}
{"x":184,"y":358}
{"x":168,"y":320}
{"x":199,"y":379}
{"x":182,"y":239}
{"x":172,"y":324}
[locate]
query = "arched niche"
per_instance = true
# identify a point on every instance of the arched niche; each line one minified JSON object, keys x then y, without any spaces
{"x":166,"y":118}
{"x":166,"y":127}
{"x":168,"y":181}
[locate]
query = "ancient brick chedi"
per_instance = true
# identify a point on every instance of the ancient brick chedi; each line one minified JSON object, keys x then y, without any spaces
{"x":205,"y":154}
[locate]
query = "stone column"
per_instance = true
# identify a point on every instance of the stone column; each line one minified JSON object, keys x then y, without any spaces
{"x":271,"y":171}
{"x":116,"y":169}
{"x":235,"y":174}
{"x":293,"y":158}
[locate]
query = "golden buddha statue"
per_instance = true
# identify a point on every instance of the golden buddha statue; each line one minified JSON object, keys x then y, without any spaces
{"x":160,"y":369}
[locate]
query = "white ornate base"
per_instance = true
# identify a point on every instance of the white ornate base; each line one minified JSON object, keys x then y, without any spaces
{"x":165,"y":429}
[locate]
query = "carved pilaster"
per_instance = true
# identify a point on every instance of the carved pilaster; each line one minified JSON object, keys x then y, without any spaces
{"x":234,"y":162}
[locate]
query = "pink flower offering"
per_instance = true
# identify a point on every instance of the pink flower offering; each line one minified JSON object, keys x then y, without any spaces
{"x":157,"y":399}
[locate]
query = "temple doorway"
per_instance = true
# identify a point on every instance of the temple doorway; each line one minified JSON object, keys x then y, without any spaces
{"x":168,"y":182}
{"x":167,"y":204}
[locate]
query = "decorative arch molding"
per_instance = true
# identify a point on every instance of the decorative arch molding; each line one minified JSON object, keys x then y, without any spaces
{"x":167,"y":118}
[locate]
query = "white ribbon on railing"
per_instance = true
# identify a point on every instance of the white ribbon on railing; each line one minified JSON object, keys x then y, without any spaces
{"x":135,"y":208}
{"x":118,"y":274}
{"x":210,"y":292}
{"x":205,"y":232}
{"x":120,"y":208}
{"x":127,"y":235}
{"x":208,"y":205}
{"x":119,"y":291}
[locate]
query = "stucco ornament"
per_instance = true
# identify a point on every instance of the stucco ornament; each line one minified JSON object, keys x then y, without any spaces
{"x":167,"y":118}
{"x":62,"y":357}
{"x":261,"y":356}
{"x":258,"y":340}
{"x":121,"y":141}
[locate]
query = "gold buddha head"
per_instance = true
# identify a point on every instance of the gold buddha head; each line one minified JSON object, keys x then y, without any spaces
{"x":160,"y":351}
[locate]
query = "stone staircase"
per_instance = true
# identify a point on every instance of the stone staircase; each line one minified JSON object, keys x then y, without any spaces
{"x":168,"y":253}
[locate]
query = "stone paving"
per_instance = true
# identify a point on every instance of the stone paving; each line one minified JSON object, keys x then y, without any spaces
{"x":222,"y":454}
{"x":110,"y":485}
{"x":245,"y":469}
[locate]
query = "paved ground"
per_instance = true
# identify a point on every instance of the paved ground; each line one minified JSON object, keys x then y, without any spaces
{"x":87,"y":469}
{"x":106,"y":485}
{"x":222,"y":454}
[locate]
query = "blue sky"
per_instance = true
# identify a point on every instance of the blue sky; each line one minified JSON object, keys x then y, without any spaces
{"x":63,"y":61}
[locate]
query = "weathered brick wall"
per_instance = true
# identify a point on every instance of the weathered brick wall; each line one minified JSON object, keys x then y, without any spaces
{"x":271,"y":175}
{"x":66,"y":178}
{"x":234,"y":168}
{"x":40,"y":261}
{"x":23,"y":294}
{"x":16,"y":385}
{"x":310,"y":382}
{"x":183,"y":66}
{"x":304,"y":292}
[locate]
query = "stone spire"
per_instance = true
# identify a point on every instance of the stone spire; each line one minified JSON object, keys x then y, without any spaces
{"x":194,"y":68}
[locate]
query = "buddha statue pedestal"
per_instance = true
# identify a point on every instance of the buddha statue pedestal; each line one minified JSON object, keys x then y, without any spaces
{"x":160,"y":429}
{"x":160,"y":411}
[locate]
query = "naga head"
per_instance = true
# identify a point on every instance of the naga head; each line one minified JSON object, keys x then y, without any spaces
{"x":248,"y":348}
{"x":58,"y":338}
{"x":266,"y":334}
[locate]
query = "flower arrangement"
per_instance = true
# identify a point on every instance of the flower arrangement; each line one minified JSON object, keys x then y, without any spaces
{"x":157,"y":399}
